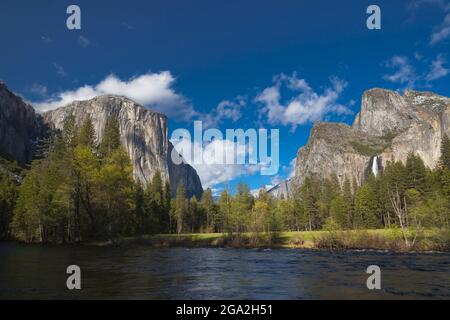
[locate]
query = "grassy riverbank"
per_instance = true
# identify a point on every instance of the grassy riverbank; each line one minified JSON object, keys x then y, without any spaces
{"x":380,"y":239}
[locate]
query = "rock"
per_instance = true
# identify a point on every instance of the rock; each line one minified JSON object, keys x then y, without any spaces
{"x":282,"y":190}
{"x":382,"y":112}
{"x":388,"y":127}
{"x":144,"y":135}
{"x":183,"y":173}
{"x":19,"y":127}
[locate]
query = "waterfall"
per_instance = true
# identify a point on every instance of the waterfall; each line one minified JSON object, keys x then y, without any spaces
{"x":375,"y":166}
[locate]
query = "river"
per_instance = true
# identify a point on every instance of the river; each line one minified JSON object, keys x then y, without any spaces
{"x":39,"y":272}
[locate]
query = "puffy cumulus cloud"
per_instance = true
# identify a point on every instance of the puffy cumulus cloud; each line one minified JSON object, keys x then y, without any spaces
{"x":230,"y":109}
{"x":305,"y":104}
{"x":213,"y":168}
{"x":437,"y":69}
{"x":405,"y":73}
{"x":153,"y":90}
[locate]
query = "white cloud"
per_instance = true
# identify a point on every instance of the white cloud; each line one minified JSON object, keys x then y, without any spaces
{"x":46,"y":39}
{"x":60,"y":70}
{"x":255,"y":192}
{"x":306,"y":105}
{"x":405,"y":74}
{"x":212,"y":171}
{"x":153,"y":90}
{"x":416,"y":4}
{"x":83,"y":41}
{"x":38,"y":89}
{"x":437,"y":69}
{"x":442,"y":32}
{"x":225,"y":110}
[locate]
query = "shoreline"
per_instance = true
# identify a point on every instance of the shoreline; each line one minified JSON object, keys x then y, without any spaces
{"x":390,"y":240}
{"x":387,"y":240}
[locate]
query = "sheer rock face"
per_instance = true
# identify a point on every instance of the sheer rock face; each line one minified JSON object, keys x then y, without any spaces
{"x":19,"y":127}
{"x":389,"y":126}
{"x":143,"y":133}
{"x":282,"y":190}
{"x":185,"y":174}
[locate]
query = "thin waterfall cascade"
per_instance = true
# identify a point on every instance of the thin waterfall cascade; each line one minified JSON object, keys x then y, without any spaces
{"x":375,"y":169}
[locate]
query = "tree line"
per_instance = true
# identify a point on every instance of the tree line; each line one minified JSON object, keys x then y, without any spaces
{"x":81,"y":191}
{"x":402,"y":196}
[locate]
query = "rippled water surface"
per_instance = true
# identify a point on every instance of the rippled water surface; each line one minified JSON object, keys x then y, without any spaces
{"x":38,"y":272}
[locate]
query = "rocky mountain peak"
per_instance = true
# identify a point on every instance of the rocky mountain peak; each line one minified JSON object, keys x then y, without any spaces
{"x":144,"y":134}
{"x":388,"y":127}
{"x":382,"y":112}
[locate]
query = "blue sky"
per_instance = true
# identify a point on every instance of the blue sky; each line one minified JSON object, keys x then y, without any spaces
{"x":223,"y":61}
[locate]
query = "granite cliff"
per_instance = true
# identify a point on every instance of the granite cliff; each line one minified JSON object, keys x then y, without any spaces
{"x":388,"y":127}
{"x":144,"y":134}
{"x":20,"y":127}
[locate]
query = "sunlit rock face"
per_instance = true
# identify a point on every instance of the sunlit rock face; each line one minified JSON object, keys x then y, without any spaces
{"x":19,"y":126}
{"x":388,"y":127}
{"x":144,"y":135}
{"x":282,"y":190}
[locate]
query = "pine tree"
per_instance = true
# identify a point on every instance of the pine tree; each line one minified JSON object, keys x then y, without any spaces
{"x":338,"y":210}
{"x":349,"y":202}
{"x":309,"y":202}
{"x":167,"y":197}
{"x":445,"y":152}
{"x":140,"y":214}
{"x":241,"y":205}
{"x":8,"y":197}
{"x":225,"y":211}
{"x":197,"y":215}
{"x":288,"y":214}
{"x":156,"y":194}
{"x":181,"y":208}
{"x":116,"y":193}
{"x":416,"y":177}
{"x":111,"y":136}
{"x":366,"y":208}
{"x":86,"y":135}
{"x":330,"y":189}
{"x":69,"y":133}
{"x":213,"y":222}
